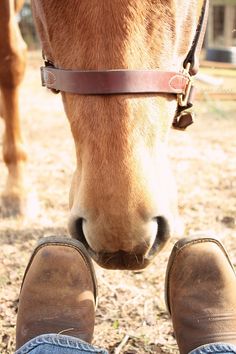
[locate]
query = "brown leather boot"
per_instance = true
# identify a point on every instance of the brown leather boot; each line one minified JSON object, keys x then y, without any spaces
{"x":58,"y":292}
{"x":201,"y":293}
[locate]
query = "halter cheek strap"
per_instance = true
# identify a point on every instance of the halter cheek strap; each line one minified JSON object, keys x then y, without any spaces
{"x":113,"y":82}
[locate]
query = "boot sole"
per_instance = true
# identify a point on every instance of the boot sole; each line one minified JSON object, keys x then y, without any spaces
{"x":179,"y":245}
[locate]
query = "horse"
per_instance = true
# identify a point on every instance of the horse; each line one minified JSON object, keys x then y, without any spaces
{"x":123,"y":198}
{"x":12,"y":67}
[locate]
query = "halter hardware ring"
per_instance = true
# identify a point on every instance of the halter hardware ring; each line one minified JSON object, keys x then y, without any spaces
{"x":183,"y":99}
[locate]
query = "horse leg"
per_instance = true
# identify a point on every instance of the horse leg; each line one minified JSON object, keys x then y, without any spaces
{"x":13,"y":198}
{"x":12,"y":67}
{"x":18,"y":5}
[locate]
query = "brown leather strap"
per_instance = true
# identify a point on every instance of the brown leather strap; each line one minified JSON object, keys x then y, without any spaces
{"x":194,"y":53}
{"x":183,"y":118}
{"x":114,"y":81}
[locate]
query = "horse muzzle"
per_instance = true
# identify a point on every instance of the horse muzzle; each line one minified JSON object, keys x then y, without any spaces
{"x":136,"y":259}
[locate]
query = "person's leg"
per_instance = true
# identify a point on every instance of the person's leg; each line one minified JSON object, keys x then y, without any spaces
{"x":56,"y":310}
{"x":201,"y":297}
{"x":58,"y":344}
{"x":215,"y":348}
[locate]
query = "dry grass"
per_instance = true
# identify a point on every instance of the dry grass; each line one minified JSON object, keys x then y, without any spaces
{"x":131,"y":305}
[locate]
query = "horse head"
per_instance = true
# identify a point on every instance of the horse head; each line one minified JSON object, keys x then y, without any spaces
{"x":123,"y":200}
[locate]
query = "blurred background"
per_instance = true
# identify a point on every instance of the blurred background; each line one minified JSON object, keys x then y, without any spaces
{"x":131,"y":307}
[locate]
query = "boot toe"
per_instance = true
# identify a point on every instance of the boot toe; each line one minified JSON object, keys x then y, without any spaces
{"x":200,"y":293}
{"x":58,"y":293}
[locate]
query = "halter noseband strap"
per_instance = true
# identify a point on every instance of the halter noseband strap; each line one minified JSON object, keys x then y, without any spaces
{"x":110,"y":82}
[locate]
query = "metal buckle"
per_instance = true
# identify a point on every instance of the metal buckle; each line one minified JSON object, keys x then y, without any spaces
{"x":184,"y":98}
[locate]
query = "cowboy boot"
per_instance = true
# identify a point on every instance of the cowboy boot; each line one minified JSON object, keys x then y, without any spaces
{"x":58,"y":292}
{"x":201,"y":293}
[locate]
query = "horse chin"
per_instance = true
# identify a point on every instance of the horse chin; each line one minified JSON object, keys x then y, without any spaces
{"x":120,"y":260}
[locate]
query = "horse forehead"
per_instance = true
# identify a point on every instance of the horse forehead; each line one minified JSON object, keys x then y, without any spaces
{"x":109,"y":34}
{"x":114,"y":10}
{"x":134,"y":21}
{"x":103,"y":13}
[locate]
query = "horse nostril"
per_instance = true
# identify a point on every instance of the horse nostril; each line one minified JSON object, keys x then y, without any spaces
{"x":163,"y":234}
{"x":79,"y":231}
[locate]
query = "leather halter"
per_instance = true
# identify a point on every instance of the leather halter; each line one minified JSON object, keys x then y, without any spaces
{"x":113,"y":82}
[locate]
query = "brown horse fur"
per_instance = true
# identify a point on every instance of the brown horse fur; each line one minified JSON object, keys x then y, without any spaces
{"x":12,"y":67}
{"x":122,"y":181}
{"x":122,"y":184}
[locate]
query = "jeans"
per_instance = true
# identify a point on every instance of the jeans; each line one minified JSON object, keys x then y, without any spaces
{"x":60,"y":344}
{"x":220,"y":348}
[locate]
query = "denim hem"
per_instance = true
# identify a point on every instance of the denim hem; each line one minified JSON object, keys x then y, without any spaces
{"x":219,"y":348}
{"x":59,"y":340}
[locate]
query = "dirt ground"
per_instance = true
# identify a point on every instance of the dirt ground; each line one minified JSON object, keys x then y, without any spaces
{"x":131,"y":305}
